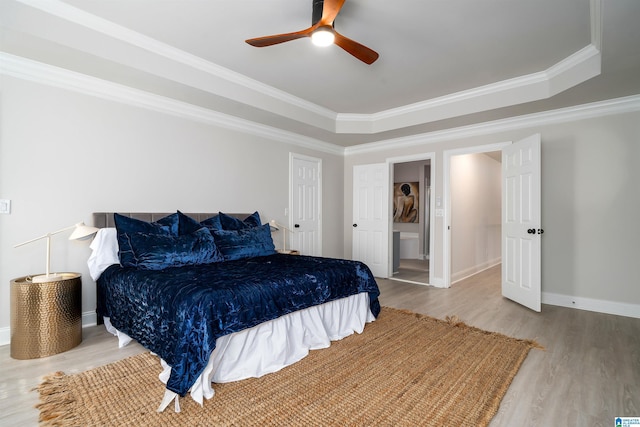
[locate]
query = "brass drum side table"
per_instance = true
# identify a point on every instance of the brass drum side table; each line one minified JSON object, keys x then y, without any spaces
{"x":46,"y":318}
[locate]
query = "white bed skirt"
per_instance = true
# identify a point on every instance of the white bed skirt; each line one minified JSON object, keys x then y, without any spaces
{"x":271,"y":346}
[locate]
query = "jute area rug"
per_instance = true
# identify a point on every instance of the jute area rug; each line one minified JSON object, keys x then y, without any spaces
{"x":405,"y":369}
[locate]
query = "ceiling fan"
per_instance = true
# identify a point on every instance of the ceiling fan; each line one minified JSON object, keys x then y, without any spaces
{"x":322,"y":32}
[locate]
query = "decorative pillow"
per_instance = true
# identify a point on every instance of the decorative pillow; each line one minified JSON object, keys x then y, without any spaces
{"x":126,"y":226}
{"x":212,"y":223}
{"x":245,"y":243}
{"x":172,"y":221}
{"x":187,"y":225}
{"x":231,"y":223}
{"x":157,"y":251}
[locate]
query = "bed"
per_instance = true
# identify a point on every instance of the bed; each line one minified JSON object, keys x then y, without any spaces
{"x":209,"y":294}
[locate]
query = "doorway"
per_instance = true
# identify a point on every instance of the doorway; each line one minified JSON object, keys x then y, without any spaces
{"x":411,"y":218}
{"x":475,"y":188}
{"x":448,"y":155}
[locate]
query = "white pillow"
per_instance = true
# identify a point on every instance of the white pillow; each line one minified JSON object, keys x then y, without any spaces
{"x":104,"y":252}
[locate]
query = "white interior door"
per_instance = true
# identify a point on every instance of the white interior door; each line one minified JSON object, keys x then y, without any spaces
{"x":305,"y":203}
{"x":521,"y":222}
{"x":371,"y":217}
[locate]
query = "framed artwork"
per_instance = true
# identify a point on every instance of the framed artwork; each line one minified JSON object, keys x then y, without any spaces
{"x":406,"y":201}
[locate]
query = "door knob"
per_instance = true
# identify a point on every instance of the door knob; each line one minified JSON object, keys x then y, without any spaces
{"x":531,"y":231}
{"x":296,"y":225}
{"x":540,"y":231}
{"x":355,"y":225}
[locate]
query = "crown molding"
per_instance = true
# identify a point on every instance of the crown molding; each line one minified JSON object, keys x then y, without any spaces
{"x":38,"y":72}
{"x":80,"y":17}
{"x":573,"y":70}
{"x":622,"y":105}
{"x":569,"y":72}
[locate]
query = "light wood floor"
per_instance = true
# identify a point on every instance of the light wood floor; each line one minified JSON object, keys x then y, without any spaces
{"x":588,"y":374}
{"x":413,"y":270}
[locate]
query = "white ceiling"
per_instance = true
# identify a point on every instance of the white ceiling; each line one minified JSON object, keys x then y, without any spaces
{"x":443,"y":63}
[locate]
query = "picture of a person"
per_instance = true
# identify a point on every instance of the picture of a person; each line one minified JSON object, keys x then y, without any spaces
{"x":405,"y":206}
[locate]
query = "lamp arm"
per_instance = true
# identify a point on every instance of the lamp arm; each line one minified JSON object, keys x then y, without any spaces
{"x":45,"y":236}
{"x":81,"y":231}
{"x":33,"y":240}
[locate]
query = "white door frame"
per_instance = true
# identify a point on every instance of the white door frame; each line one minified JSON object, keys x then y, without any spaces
{"x":446,"y":192}
{"x":318,"y":161}
{"x":391,"y":161}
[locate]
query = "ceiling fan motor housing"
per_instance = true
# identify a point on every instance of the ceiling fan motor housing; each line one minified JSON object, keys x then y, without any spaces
{"x":317,"y":11}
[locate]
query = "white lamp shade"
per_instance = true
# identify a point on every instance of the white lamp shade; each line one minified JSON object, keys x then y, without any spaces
{"x":81,"y":231}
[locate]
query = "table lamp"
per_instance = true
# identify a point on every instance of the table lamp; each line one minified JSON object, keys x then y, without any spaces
{"x":80,"y":231}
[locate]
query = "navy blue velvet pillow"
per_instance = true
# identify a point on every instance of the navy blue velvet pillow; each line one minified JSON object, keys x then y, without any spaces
{"x":187,"y":225}
{"x":230,"y":223}
{"x":172,"y":221}
{"x":245,"y":243}
{"x":126,"y":226}
{"x":157,"y":251}
{"x":212,"y":223}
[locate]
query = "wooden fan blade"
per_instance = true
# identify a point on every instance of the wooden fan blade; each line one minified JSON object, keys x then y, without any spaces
{"x":330,"y":10}
{"x":280,"y":38}
{"x":361,"y":52}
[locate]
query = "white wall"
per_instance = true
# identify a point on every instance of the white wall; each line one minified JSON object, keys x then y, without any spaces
{"x":64,"y":155}
{"x":476,"y":220}
{"x":590,"y":203}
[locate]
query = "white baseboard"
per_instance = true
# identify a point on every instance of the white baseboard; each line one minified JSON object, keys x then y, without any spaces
{"x":590,"y":304}
{"x":461,"y":275}
{"x":5,"y":336}
{"x":438,"y":282}
{"x":88,"y":319}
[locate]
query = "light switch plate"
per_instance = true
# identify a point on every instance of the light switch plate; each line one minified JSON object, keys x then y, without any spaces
{"x":5,"y":206}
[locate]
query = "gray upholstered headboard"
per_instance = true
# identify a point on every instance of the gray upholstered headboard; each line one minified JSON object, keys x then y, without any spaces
{"x":105,"y":219}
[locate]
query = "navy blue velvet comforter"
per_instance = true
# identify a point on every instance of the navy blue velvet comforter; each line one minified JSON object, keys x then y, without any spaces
{"x":179,"y":312}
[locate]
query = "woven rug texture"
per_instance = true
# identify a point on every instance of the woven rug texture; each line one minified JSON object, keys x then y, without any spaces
{"x":405,"y":369}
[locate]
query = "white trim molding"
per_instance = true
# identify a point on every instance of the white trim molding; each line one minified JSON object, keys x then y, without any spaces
{"x":622,"y":105}
{"x":590,"y":304}
{"x":5,"y":336}
{"x":568,"y":72}
{"x":38,"y":72}
{"x":577,"y":68}
{"x":27,"y":69}
{"x":127,"y":36}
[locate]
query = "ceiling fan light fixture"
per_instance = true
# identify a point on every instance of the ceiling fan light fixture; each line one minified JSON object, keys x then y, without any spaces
{"x":323,"y":36}
{"x":321,"y":32}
